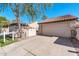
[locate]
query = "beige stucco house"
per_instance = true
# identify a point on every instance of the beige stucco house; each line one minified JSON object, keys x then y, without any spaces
{"x":59,"y":26}
{"x":30,"y":29}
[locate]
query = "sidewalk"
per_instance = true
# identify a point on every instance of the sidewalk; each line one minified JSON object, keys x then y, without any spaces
{"x":40,"y":46}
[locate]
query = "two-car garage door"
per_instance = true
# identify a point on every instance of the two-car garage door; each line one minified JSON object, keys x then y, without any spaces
{"x":56,"y":29}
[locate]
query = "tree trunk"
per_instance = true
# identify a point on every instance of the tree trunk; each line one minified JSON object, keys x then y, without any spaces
{"x":18,"y":20}
{"x":19,"y":27}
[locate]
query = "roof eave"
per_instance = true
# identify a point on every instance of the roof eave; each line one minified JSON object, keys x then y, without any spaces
{"x":58,"y":21}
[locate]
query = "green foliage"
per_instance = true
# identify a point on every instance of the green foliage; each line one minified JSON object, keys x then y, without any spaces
{"x":3,"y":21}
{"x":8,"y":41}
{"x":32,"y":10}
{"x":44,"y":17}
{"x":36,"y":10}
{"x":78,"y":20}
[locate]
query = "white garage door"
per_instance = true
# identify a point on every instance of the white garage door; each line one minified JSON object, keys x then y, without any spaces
{"x":57,"y":29}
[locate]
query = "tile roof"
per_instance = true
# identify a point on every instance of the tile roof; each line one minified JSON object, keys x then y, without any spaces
{"x":33,"y":25}
{"x":61,"y":18}
{"x":11,"y":24}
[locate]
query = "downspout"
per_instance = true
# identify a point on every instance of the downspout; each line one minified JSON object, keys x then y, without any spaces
{"x":41,"y":29}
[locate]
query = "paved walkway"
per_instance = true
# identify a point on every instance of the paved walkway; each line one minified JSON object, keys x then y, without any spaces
{"x":40,"y":46}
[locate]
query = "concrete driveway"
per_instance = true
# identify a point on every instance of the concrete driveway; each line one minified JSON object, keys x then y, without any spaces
{"x":40,"y":46}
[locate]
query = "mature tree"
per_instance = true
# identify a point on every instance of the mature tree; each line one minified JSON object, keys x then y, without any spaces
{"x":3,"y":21}
{"x":44,"y":17}
{"x":32,"y":10}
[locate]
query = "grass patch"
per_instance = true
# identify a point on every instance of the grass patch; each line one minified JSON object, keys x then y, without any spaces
{"x":7,"y":42}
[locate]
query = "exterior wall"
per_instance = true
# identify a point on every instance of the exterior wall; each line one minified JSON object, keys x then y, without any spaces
{"x":40,"y":29}
{"x":13,"y":28}
{"x":5,"y":29}
{"x":34,"y":25}
{"x":57,"y":29}
{"x":77,"y":36}
{"x":29,"y":32}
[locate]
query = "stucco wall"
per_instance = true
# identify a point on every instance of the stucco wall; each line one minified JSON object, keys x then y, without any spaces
{"x":56,"y":29}
{"x":13,"y":28}
{"x":77,"y":36}
{"x":5,"y":29}
{"x":29,"y":32}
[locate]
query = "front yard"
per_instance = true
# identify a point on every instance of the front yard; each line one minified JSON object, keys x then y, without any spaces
{"x":8,"y":41}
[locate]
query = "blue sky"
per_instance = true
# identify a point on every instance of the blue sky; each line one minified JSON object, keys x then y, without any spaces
{"x":58,"y":9}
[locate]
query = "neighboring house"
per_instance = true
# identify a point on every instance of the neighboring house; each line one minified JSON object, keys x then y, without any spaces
{"x":5,"y":28}
{"x":30,"y":29}
{"x":14,"y":27}
{"x":27,"y":30}
{"x":59,"y":26}
{"x":34,"y":25}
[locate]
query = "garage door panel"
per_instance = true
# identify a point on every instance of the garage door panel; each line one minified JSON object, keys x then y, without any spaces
{"x":57,"y":29}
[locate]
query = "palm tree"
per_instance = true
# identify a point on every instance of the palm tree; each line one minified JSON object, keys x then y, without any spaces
{"x":33,"y":11}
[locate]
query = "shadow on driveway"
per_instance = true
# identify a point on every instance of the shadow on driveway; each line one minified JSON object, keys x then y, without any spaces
{"x":66,"y":42}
